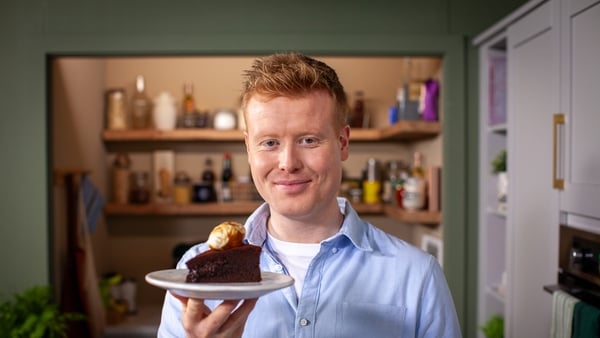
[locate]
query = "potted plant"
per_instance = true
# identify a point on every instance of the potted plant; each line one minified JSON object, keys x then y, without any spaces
{"x":499,"y":169}
{"x":33,"y":314}
{"x":494,"y":327}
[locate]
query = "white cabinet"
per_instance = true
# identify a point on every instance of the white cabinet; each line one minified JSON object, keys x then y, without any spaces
{"x":553,"y":143}
{"x":532,"y":217}
{"x":523,"y":244}
{"x":578,"y":157}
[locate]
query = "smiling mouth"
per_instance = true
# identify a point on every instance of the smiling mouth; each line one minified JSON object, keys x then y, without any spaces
{"x":291,"y":183}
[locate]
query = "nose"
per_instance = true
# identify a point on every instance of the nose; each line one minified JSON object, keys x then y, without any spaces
{"x":288,"y":159}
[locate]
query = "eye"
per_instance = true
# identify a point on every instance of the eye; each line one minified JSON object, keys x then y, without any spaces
{"x":269,"y":144}
{"x":309,"y":141}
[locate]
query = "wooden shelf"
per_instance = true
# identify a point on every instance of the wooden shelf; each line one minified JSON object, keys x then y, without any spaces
{"x":245,"y":208}
{"x":403,"y":130}
{"x":199,"y":209}
{"x":413,"y":216}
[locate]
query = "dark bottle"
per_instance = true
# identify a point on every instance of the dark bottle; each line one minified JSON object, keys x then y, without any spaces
{"x":226,"y":178}
{"x":358,"y":110}
{"x":205,"y":190}
{"x":208,"y":175}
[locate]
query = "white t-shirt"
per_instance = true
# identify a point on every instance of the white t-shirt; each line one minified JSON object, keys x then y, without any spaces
{"x":296,"y":258}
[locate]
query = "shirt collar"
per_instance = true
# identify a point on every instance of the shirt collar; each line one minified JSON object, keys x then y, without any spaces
{"x":353,"y":227}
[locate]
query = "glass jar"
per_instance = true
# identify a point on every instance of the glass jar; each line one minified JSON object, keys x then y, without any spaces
{"x":140,"y":187}
{"x":413,"y":196}
{"x":183,"y":188}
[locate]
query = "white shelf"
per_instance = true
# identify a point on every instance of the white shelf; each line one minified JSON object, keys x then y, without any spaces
{"x":143,"y":324}
{"x":494,"y":292}
{"x":498,"y":128}
{"x":495,"y":212}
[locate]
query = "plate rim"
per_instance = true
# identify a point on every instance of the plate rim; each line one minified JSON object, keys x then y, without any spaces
{"x":220,"y":290}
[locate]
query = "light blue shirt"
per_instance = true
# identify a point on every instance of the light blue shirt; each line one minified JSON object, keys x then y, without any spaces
{"x":363,"y":283}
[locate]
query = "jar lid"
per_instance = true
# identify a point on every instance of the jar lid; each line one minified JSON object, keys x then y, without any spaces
{"x":181,"y":177}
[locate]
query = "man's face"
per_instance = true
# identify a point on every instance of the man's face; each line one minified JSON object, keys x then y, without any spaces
{"x":295,"y":153}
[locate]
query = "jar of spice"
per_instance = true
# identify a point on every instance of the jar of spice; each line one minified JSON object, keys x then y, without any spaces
{"x":183,"y":188}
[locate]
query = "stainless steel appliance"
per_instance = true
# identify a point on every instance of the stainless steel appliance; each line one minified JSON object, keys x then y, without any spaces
{"x":578,"y":270}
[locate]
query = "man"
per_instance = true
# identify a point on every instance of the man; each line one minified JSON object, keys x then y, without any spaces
{"x":351,"y":279}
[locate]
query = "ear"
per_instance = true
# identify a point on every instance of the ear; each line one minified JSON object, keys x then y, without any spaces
{"x":344,"y":142}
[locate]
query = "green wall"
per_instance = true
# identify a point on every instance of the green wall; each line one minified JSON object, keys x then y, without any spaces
{"x":32,"y":30}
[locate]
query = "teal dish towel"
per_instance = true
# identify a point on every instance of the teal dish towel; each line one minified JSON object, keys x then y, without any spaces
{"x":563,"y":305}
{"x":586,"y":321}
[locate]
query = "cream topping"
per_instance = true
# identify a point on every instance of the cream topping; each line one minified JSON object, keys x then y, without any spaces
{"x":226,"y":235}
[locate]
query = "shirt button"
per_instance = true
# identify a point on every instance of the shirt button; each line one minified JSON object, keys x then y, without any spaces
{"x":304,"y":322}
{"x":278,"y":268}
{"x":334,"y":250}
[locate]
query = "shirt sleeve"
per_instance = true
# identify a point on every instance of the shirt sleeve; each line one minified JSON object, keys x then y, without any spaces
{"x":170,"y":322}
{"x":437,"y":317}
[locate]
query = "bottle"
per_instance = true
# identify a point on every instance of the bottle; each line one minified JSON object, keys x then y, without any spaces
{"x":189,"y":106}
{"x":116,"y":112}
{"x":226,"y":178}
{"x":120,"y":178}
{"x":358,"y":110}
{"x":372,"y":183}
{"x":417,"y":168}
{"x":205,"y":190}
{"x":391,"y":181}
{"x":413,"y":197}
{"x":140,"y":106}
{"x":208,"y":175}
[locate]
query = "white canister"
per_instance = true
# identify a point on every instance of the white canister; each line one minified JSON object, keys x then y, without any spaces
{"x":413,"y":197}
{"x":165,"y":112}
{"x":224,"y":120}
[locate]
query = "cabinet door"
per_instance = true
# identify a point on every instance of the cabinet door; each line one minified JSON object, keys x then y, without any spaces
{"x":532,"y":202}
{"x":580,"y":104}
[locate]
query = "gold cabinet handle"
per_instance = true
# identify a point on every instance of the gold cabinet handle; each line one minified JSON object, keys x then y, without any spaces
{"x":558,"y":181}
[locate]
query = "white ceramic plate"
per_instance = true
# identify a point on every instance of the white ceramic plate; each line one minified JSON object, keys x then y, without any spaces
{"x":174,"y":280}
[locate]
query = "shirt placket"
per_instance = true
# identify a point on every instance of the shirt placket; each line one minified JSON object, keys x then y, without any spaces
{"x":306,"y":312}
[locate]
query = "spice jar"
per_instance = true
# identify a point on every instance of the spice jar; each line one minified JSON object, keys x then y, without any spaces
{"x":183,"y":188}
{"x":140,"y":187}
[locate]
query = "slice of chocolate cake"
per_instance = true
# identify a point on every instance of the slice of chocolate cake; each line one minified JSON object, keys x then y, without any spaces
{"x":239,"y":264}
{"x":228,"y":260}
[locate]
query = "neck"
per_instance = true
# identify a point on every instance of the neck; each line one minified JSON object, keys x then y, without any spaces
{"x":296,"y":231}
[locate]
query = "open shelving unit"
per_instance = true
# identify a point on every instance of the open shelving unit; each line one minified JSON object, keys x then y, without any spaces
{"x":403,"y":130}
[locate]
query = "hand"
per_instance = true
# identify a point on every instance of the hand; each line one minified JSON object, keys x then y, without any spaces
{"x":200,"y":322}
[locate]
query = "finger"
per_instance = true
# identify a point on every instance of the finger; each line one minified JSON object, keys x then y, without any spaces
{"x":237,"y":320}
{"x":221,"y":313}
{"x":181,"y":298}
{"x":194,"y":311}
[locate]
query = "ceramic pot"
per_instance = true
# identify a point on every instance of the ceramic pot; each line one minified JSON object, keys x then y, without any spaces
{"x":165,"y":112}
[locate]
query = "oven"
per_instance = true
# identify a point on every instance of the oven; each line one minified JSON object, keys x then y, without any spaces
{"x":579,"y":260}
